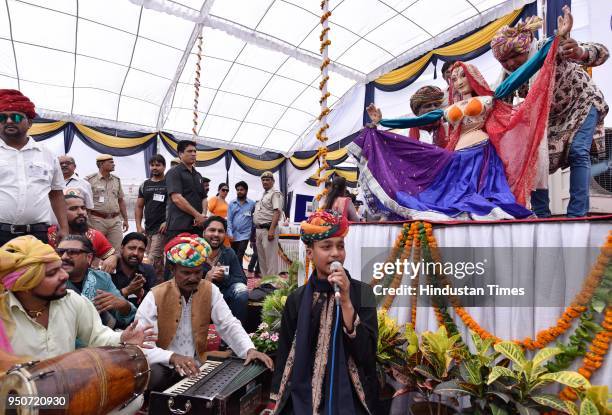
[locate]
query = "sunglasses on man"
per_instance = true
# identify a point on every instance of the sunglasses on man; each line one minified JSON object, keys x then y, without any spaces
{"x":71,"y":251}
{"x":15,"y":117}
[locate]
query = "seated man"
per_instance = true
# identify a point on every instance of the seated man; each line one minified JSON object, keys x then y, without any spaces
{"x":96,"y":285}
{"x":223,"y":268}
{"x":425,"y":99}
{"x":181,"y":310}
{"x":306,"y":333}
{"x":36,"y":295}
{"x":77,"y":223}
{"x":133,"y":278}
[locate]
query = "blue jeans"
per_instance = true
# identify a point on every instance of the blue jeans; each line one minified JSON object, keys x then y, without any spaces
{"x":237,"y":298}
{"x":580,"y":173}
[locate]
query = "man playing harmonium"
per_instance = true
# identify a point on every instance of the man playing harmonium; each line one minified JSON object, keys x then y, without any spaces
{"x":181,"y":309}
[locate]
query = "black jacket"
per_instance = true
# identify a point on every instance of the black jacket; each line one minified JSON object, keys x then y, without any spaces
{"x":362,"y":348}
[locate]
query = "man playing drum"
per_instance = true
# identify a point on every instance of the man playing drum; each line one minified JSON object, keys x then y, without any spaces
{"x":39,"y":317}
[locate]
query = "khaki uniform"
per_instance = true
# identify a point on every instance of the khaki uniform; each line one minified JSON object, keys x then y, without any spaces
{"x":106,"y":216}
{"x":267,"y":251}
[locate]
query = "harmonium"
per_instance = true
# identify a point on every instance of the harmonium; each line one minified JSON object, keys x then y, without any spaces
{"x":224,"y":387}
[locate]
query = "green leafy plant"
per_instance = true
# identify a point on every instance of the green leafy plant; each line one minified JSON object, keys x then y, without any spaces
{"x":427,"y":364}
{"x":474,"y":369}
{"x":389,"y":352}
{"x":274,"y":303}
{"x":523,"y":380}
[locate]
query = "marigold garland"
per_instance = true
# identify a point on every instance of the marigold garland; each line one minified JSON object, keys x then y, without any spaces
{"x":545,"y":336}
{"x":397,"y":279}
{"x":594,"y":358}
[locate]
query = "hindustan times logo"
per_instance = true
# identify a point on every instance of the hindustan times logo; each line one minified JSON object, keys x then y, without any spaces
{"x":458,"y":270}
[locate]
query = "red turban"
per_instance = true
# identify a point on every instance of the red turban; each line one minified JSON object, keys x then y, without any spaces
{"x":13,"y":100}
{"x":323,"y":224}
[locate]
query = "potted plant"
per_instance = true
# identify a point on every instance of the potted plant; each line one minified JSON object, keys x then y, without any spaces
{"x":507,"y":383}
{"x":427,"y":364}
{"x":265,"y":341}
{"x":389,"y":354}
{"x":265,"y":338}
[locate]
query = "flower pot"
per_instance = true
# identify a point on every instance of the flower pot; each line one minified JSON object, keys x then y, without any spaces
{"x":431,"y":408}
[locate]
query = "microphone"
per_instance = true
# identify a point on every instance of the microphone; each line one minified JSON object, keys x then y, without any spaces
{"x":335,"y":266}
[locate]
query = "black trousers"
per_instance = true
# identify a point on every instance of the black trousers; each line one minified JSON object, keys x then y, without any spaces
{"x":162,"y":377}
{"x":6,"y":236}
{"x":240,"y":248}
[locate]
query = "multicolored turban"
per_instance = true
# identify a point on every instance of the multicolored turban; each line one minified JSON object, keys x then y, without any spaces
{"x":511,"y":41}
{"x":187,"y":250}
{"x":13,"y":100}
{"x":426,"y":95}
{"x":323,"y":224}
{"x":22,"y":267}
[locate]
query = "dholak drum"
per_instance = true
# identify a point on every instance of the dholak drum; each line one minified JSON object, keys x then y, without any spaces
{"x":93,"y":380}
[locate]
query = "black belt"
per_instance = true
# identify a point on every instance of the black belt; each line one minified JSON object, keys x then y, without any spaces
{"x":23,"y":229}
{"x":264,"y":226}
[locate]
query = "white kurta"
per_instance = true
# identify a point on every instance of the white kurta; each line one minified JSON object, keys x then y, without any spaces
{"x":228,"y":327}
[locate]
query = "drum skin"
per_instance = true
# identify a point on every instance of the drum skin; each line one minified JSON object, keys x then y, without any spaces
{"x":95,"y":380}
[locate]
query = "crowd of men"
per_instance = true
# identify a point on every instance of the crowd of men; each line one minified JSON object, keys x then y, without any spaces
{"x":91,"y":213}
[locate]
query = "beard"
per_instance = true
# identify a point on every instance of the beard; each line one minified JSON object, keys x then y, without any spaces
{"x":79,"y":227}
{"x":53,"y":297}
{"x":56,"y":295}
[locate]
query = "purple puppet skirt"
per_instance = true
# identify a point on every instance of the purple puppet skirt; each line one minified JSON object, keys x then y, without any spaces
{"x":405,"y":178}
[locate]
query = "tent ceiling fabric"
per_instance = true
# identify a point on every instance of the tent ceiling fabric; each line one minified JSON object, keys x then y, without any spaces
{"x":130,"y":64}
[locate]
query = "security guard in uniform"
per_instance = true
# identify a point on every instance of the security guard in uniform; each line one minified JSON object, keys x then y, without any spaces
{"x":109,"y":203}
{"x":266,"y":218}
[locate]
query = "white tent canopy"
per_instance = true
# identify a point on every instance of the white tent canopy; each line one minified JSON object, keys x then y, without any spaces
{"x":131,"y":64}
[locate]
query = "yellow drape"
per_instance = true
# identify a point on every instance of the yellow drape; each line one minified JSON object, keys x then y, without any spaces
{"x":202,"y":155}
{"x":257,"y":164}
{"x":461,"y":47}
{"x":47,"y":127}
{"x":112,"y":141}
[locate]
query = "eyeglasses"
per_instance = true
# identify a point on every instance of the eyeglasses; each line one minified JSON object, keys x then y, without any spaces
{"x":15,"y":117}
{"x":71,"y":251}
{"x":225,"y":190}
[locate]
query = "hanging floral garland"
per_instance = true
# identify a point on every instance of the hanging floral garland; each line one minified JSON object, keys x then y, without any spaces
{"x":594,"y":358}
{"x":397,"y":279}
{"x":322,"y":118}
{"x":546,"y":336}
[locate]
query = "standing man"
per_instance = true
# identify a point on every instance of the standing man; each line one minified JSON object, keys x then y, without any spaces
{"x":266,"y":217}
{"x":223,"y":269}
{"x":76,"y":252}
{"x":31,"y":183}
{"x":133,"y":278}
{"x":240,"y":220}
{"x":73,"y":181}
{"x":186,"y":192}
{"x":577,"y":111}
{"x":206,"y":185}
{"x":109,"y":201}
{"x":152,"y":198}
